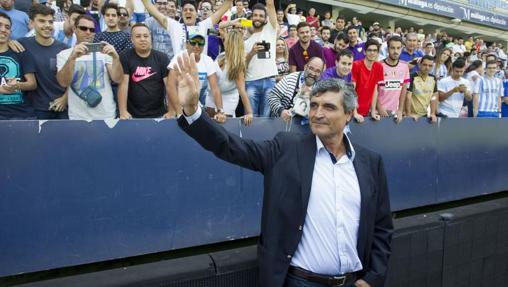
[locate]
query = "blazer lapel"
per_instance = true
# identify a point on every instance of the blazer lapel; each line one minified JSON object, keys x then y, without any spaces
{"x":364,"y":179}
{"x":306,"y":160}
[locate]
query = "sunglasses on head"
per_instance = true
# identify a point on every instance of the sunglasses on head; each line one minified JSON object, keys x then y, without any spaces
{"x":84,"y":29}
{"x":197,"y":42}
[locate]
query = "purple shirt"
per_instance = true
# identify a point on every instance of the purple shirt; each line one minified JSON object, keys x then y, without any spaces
{"x":329,"y":55}
{"x":358,"y":51}
{"x":331,"y":73}
{"x":296,"y":57}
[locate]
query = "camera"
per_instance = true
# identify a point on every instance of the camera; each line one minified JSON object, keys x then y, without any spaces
{"x":265,"y":53}
{"x":95,"y":47}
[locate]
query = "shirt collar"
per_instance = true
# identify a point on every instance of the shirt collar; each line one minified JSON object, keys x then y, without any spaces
{"x":350,"y":151}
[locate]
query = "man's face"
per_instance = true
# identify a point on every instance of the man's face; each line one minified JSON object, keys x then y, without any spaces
{"x":491,"y":69}
{"x":206,"y":10}
{"x":339,"y":24}
{"x":394,"y":50}
{"x":196,"y":46}
{"x":327,"y":116}
{"x":426,"y":66}
{"x":304,"y":34}
{"x":313,"y":70}
{"x":325,"y":35}
{"x":458,"y":72}
{"x":428,"y":50}
{"x":371,"y":53}
{"x":7,"y":4}
{"x":344,"y":65}
{"x":111,"y":18}
{"x":162,"y":6}
{"x":171,"y":9}
{"x":85,"y":31}
{"x":292,"y":32}
{"x":352,"y":35}
{"x":141,"y":38}
{"x":43,"y":25}
{"x":239,"y":6}
{"x":376,"y":27}
{"x":258,"y":18}
{"x":123,"y":17}
{"x":280,"y":16}
{"x":5,"y":30}
{"x":354,"y":21}
{"x":340,"y":45}
{"x":411,"y":42}
{"x":189,"y":14}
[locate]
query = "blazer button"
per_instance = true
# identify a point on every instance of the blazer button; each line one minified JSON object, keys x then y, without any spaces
{"x":300,"y":228}
{"x":289,"y":256}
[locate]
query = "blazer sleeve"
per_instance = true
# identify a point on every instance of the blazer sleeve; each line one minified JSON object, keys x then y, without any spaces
{"x":383,"y":230}
{"x":257,"y":156}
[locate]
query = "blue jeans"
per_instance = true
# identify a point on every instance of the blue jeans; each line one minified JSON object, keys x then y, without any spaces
{"x":293,"y":281}
{"x":258,"y":92}
{"x":487,"y":114}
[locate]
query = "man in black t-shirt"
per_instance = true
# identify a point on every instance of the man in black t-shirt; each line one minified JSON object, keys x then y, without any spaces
{"x":142,"y":91}
{"x":16,"y":76}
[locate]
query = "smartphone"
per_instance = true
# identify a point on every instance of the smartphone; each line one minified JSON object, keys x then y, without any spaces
{"x":246,"y":23}
{"x":95,"y":47}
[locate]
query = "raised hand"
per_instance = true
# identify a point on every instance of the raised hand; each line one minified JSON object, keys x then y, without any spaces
{"x":188,"y":83}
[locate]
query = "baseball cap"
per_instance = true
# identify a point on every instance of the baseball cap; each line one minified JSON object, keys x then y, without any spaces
{"x":193,"y":32}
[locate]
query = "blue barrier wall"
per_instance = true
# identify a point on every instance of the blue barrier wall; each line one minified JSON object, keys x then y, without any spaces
{"x":74,"y":192}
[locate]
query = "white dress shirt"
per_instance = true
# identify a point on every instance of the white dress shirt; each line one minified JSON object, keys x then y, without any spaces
{"x":330,"y":231}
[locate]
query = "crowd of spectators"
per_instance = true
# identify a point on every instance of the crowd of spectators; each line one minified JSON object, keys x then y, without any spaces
{"x":116,"y":59}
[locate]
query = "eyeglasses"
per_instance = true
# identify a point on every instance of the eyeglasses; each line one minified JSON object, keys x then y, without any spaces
{"x":205,"y":9}
{"x":124,"y":14}
{"x":305,"y":55}
{"x":196,"y":42}
{"x":84,"y":29}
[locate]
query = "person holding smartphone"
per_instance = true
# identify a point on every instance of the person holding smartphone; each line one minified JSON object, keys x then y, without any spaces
{"x":453,"y":89}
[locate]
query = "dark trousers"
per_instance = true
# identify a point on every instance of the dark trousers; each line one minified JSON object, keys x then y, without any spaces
{"x":293,"y":281}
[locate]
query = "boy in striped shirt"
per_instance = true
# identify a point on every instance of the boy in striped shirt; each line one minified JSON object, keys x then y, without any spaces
{"x":488,"y":93}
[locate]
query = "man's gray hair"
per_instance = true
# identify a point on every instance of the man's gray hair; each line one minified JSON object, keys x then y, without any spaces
{"x":336,"y":85}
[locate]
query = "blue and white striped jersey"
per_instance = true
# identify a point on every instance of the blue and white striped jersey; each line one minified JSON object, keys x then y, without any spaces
{"x":489,"y":91}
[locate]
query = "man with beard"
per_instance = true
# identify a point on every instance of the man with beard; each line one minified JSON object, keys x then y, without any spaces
{"x":281,"y":98}
{"x":325,"y":37}
{"x":179,"y":30}
{"x":17,"y":77}
{"x":113,"y":35}
{"x":342,"y":68}
{"x":305,"y":49}
{"x":124,"y":19}
{"x":49,"y":100}
{"x":392,"y":91}
{"x":161,"y":40}
{"x":261,"y":65}
{"x":142,"y":91}
{"x":367,"y":75}
{"x":355,"y":45}
{"x":330,"y":54}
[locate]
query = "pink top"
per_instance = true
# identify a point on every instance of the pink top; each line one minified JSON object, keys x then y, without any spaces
{"x":395,"y":77}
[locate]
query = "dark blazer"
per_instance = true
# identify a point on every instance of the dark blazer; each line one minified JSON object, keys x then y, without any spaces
{"x":287,"y":163}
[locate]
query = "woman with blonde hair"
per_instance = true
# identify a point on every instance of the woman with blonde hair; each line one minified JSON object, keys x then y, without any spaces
{"x":231,"y":77}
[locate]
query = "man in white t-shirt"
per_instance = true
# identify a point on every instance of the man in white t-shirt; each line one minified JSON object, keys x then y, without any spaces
{"x":76,"y":72}
{"x":207,"y":70}
{"x":178,"y":30}
{"x":261,"y":65}
{"x":453,"y":89}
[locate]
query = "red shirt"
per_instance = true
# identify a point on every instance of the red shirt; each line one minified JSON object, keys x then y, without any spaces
{"x":366,"y":81}
{"x":313,"y":21}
